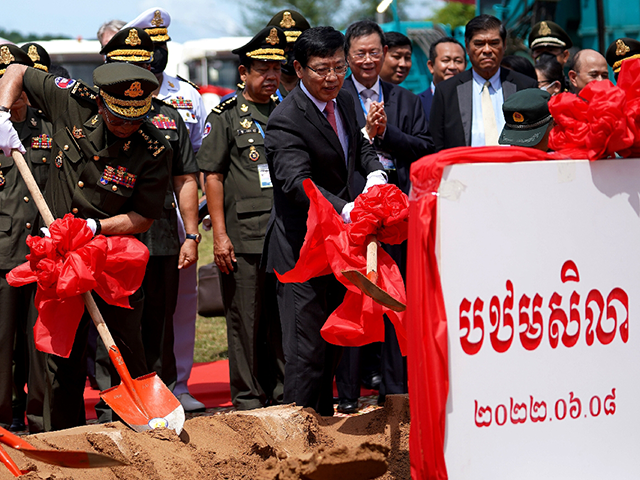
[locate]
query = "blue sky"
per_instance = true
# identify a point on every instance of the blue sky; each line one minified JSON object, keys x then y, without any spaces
{"x":190,"y":20}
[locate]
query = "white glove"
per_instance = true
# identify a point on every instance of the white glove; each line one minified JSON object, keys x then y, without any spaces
{"x":379,"y":177}
{"x":346,"y":212}
{"x":93,"y":226}
{"x":9,"y":138}
{"x":45,"y":231}
{"x":206,"y":223}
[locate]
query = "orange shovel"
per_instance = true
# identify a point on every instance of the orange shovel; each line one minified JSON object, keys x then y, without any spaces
{"x":368,"y":283}
{"x":143,"y":403}
{"x":62,"y":458}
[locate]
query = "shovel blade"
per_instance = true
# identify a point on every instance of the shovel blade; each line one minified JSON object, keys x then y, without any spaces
{"x":372,"y":290}
{"x":150,"y":405}
{"x":72,"y":459}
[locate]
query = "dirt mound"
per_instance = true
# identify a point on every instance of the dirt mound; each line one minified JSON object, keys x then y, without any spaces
{"x":277,"y":443}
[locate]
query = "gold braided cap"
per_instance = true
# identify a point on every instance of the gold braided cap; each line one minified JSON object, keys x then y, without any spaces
{"x":39,"y":66}
{"x":126,"y":55}
{"x":292,"y":35}
{"x":127,"y":108}
{"x":267,"y":54}
{"x":158,"y":34}
{"x":618,"y":65}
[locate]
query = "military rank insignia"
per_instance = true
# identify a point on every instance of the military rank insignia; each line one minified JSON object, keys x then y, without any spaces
{"x":58,"y":160}
{"x":246,"y":123}
{"x":164,"y":123}
{"x":244,"y":108}
{"x":181,"y":102}
{"x":41,"y":142}
{"x":77,"y":132}
{"x":33,"y":121}
{"x":126,"y":146}
{"x":118,"y":176}
{"x":253,"y":154}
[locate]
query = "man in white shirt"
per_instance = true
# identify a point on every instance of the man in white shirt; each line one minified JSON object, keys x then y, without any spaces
{"x":467,"y":109}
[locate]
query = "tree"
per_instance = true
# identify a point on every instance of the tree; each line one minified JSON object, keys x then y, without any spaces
{"x":455,"y":14}
{"x":17,"y":37}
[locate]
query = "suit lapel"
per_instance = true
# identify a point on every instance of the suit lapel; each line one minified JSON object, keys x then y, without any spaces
{"x":351,"y":88}
{"x":465,"y":105}
{"x":390,"y":100}
{"x":318,"y":120}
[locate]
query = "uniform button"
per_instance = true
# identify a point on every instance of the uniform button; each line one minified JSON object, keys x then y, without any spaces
{"x":96,"y":158}
{"x":81,"y":184}
{"x":28,"y":225}
{"x":44,"y":159}
{"x":114,"y":188}
{"x":167,"y":137}
{"x":173,"y":204}
{"x":74,"y":210}
{"x":251,"y":140}
{"x":65,"y":148}
{"x":26,"y":199}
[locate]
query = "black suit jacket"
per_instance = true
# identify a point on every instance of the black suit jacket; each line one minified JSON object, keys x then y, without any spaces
{"x":451,"y":110}
{"x":406,"y":138}
{"x":426,"y":98}
{"x":300,"y":143}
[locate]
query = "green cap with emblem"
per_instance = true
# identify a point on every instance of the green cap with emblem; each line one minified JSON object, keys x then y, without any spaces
{"x":291,"y":22}
{"x":38,"y":55}
{"x":9,"y":54}
{"x":621,"y":50}
{"x":526,"y":115}
{"x":267,"y":45}
{"x":125,"y":89}
{"x":549,"y":34}
{"x":131,"y":44}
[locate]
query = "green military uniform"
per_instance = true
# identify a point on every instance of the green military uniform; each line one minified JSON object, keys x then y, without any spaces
{"x":160,"y":285}
{"x":234,"y":146}
{"x":98,"y":175}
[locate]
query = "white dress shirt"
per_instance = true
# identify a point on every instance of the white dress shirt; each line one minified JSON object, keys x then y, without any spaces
{"x":497,"y":99}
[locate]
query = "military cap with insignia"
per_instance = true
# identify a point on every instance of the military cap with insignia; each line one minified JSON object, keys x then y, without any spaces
{"x":131,"y":44}
{"x":291,"y":22}
{"x":268,"y":44}
{"x":155,"y":22}
{"x":549,"y":34}
{"x":9,"y":54}
{"x":621,"y":50}
{"x":527,"y":117}
{"x":125,"y":89}
{"x":38,"y":55}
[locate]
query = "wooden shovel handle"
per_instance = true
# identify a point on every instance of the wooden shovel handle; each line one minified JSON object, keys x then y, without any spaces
{"x":43,"y":208}
{"x":372,"y":258}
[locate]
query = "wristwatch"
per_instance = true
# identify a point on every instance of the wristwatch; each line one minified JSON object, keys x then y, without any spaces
{"x":194,"y":236}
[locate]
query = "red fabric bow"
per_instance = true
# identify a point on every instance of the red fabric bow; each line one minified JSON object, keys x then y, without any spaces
{"x":593,"y":125}
{"x":629,"y":82}
{"x":70,"y":263}
{"x":330,"y":246}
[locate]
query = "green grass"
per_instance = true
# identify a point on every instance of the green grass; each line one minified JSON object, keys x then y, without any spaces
{"x":211,"y":333}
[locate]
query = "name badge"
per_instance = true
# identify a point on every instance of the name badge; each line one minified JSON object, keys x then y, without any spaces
{"x":265,"y":177}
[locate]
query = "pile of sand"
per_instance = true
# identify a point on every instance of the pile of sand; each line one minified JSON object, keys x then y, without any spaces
{"x":277,"y":443}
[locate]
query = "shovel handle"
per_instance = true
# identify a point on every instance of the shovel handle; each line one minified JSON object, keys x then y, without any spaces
{"x":372,"y":258}
{"x":9,"y":463}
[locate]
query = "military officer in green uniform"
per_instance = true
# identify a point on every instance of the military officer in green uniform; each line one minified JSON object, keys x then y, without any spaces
{"x":110,"y":167}
{"x":160,"y":286}
{"x":239,"y":196}
{"x":292,"y":24}
{"x":18,"y":213}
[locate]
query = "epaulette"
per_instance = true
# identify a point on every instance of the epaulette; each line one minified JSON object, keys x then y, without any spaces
{"x":82,"y":90}
{"x":240,"y":85}
{"x":226,"y":105}
{"x":189,"y":82}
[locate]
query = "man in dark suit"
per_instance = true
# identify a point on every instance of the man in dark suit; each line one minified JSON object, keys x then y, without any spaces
{"x":312,"y":134}
{"x":392,"y":118}
{"x":467,"y":109}
{"x":446,"y":59}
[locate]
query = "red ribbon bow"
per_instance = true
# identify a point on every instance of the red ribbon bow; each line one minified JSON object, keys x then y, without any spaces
{"x":72,"y":262}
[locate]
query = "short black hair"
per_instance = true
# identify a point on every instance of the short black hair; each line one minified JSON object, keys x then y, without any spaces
{"x":549,"y":66}
{"x":433,"y":54}
{"x":397,"y":39}
{"x":361,"y":29}
{"x":519,"y":64}
{"x":320,"y":42}
{"x":483,"y":23}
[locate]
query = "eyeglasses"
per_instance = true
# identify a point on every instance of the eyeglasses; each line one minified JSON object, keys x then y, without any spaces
{"x":374,"y":55}
{"x":340,"y":71}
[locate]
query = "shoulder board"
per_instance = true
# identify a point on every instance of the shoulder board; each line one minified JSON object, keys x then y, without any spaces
{"x":82,"y":90}
{"x":240,"y":85}
{"x":226,"y":105}
{"x":189,"y":82}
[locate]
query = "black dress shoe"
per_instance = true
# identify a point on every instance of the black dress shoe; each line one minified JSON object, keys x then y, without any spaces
{"x":348,"y":406}
{"x":372,"y":382}
{"x":17,"y":425}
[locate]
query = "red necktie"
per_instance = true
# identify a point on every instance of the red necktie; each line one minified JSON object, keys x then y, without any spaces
{"x":331,"y":116}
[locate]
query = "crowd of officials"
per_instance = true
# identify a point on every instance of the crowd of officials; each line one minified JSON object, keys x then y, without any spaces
{"x":128,"y":153}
